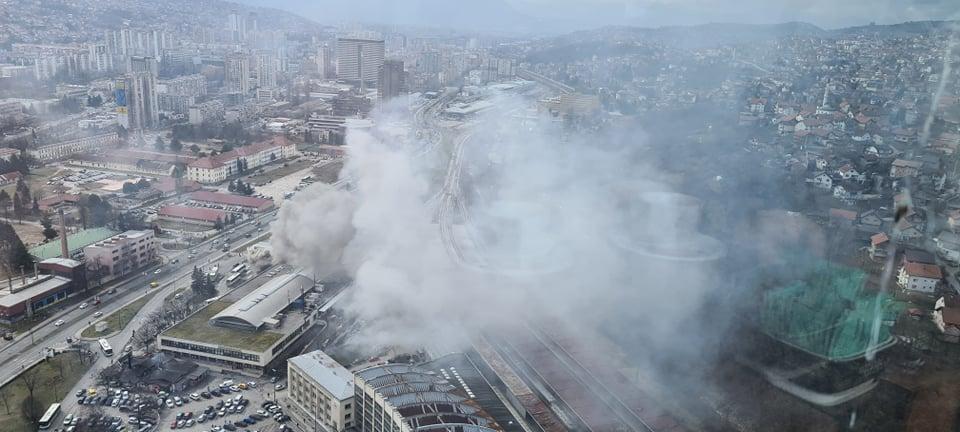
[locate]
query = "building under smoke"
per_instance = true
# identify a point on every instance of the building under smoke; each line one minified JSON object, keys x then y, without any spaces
{"x":819,"y":331}
{"x":399,"y":397}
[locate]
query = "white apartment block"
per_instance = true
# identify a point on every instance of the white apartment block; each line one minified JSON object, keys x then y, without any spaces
{"x":121,"y":254}
{"x":320,"y":392}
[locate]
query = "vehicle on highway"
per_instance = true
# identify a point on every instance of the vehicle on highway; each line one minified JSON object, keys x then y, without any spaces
{"x":97,"y":314}
{"x":105,"y":347}
{"x":58,"y":323}
{"x":154,"y":284}
{"x":83,"y":305}
{"x":158,"y":271}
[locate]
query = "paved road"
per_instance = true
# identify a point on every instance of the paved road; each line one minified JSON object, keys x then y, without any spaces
{"x":29,"y":347}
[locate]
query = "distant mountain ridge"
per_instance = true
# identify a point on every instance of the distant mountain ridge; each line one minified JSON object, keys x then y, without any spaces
{"x":715,"y":34}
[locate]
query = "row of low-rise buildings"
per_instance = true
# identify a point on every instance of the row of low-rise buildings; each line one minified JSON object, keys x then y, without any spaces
{"x":64,"y":149}
{"x":216,"y":169}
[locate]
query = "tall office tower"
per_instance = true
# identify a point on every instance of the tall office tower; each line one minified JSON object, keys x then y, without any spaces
{"x":100,"y":58}
{"x":236,"y":27}
{"x":142,"y":64}
{"x":359,"y":60}
{"x":390,"y":81}
{"x":266,"y":69}
{"x":236,"y":70}
{"x":136,"y":99}
{"x":325,"y":61}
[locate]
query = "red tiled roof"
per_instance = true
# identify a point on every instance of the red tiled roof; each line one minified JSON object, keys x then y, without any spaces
{"x":11,"y":176}
{"x":878,"y":239}
{"x":233,"y":200}
{"x":843,"y":214}
{"x":57,"y":199}
{"x":193,"y":213}
{"x":930,"y":271}
{"x":224,"y":158}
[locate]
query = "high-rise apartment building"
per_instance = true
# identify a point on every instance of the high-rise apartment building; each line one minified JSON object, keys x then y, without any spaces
{"x":236,"y":70}
{"x":143,"y":64}
{"x":359,"y":60}
{"x":325,"y":61}
{"x":390,"y":82}
{"x":266,"y":69}
{"x":137,"y":101}
{"x":236,"y":27}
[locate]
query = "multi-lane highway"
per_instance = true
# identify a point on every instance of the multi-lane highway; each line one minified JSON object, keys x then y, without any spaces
{"x":28,"y":348}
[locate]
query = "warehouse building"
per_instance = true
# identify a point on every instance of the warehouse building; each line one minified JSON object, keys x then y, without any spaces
{"x":191,"y":215}
{"x":231,"y":202}
{"x":246,"y":335}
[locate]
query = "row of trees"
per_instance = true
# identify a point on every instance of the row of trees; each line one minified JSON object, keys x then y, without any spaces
{"x":240,"y":187}
{"x":14,"y":256}
{"x":230,"y":220}
{"x":202,"y":284}
{"x":175,"y":145}
{"x":21,"y":201}
{"x":231,"y":133}
{"x":94,"y":211}
{"x":16,"y":163}
{"x":131,"y":187}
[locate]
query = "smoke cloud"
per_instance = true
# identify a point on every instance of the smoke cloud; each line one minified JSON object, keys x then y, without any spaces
{"x":543,"y":224}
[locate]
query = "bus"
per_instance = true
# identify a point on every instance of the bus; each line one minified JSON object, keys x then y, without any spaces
{"x":234,"y":278}
{"x":50,"y":416}
{"x":105,"y":346}
{"x":239,"y":268}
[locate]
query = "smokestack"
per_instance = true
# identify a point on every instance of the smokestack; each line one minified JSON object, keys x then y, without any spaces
{"x":64,"y":250}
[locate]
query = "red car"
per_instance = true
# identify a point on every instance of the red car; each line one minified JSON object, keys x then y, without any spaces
{"x":173,"y":424}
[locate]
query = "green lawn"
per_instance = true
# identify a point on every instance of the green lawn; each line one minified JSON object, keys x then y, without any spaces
{"x":50,"y":387}
{"x":119,"y":318}
{"x":170,"y":296}
{"x":197,"y":328}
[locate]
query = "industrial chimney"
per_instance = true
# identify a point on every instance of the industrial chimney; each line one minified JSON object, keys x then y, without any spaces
{"x":64,"y":250}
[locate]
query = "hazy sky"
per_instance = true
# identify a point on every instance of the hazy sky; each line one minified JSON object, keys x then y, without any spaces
{"x":556,"y":15}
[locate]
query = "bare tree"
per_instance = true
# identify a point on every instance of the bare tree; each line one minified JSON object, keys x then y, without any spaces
{"x":3,"y":397}
{"x":30,"y":406}
{"x":30,"y":378}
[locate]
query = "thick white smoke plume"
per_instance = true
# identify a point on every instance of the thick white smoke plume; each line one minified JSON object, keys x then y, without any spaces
{"x":547,"y":215}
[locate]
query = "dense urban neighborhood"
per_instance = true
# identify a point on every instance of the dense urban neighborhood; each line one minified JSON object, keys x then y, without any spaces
{"x":220,"y":217}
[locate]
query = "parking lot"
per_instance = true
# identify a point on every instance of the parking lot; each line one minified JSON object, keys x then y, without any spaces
{"x":221,"y":405}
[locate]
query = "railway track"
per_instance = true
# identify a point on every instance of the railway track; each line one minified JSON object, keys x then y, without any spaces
{"x":571,"y":385}
{"x":631,"y":404}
